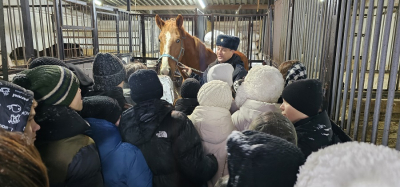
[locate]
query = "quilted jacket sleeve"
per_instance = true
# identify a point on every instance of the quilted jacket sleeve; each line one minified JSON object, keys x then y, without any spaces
{"x":188,"y":151}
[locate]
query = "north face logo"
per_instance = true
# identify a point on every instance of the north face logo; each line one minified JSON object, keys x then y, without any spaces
{"x":161,"y":134}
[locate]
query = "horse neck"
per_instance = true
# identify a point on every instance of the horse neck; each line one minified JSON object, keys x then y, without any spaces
{"x":196,"y":54}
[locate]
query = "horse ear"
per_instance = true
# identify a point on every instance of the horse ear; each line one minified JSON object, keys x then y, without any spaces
{"x":160,"y":22}
{"x":179,"y":21}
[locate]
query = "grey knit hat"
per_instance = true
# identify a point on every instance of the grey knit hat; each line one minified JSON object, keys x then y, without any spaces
{"x":108,"y":72}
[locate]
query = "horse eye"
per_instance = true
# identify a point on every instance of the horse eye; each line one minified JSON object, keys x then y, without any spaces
{"x":159,"y":40}
{"x":177,"y":41}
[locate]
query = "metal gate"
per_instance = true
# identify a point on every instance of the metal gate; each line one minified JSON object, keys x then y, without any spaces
{"x":353,"y":46}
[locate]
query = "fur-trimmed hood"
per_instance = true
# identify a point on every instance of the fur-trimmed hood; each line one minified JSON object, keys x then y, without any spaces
{"x":351,"y":164}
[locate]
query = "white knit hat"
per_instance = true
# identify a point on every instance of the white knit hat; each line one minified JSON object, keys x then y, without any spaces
{"x":221,"y":72}
{"x":215,"y":93}
{"x":262,"y":83}
{"x":351,"y":164}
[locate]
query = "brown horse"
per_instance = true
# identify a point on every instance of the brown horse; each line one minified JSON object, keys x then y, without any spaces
{"x":177,"y":46}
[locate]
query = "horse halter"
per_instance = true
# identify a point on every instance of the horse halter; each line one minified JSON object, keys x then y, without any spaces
{"x":181,"y":53}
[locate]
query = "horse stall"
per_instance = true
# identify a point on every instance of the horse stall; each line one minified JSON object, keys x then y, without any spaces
{"x":251,"y":29}
{"x":34,"y":28}
{"x":353,"y":46}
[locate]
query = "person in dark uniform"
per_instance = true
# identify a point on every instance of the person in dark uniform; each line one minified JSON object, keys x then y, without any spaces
{"x":226,"y":47}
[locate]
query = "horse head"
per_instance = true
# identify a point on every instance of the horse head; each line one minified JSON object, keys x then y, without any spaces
{"x":171,"y":43}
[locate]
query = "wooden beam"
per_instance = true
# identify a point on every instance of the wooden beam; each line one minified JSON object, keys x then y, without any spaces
{"x":192,"y":7}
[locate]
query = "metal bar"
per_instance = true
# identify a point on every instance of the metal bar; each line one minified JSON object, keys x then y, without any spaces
{"x":381,"y":77}
{"x":297,"y":24}
{"x":289,"y":44}
{"x":3,"y":43}
{"x":152,"y":35}
{"x":312,"y":40}
{"x":72,"y":27}
{"x":10,"y":22}
{"x":321,"y":40}
{"x":249,"y":38}
{"x":321,"y":51}
{"x":372,"y":66}
{"x":95,"y":32}
{"x":348,"y":68}
{"x":337,"y":60}
{"x":128,"y":8}
{"x":117,"y":29}
{"x":342,"y":61}
{"x":271,"y":34}
{"x":42,"y":30}
{"x":392,"y":83}
{"x":51,"y":35}
{"x":21,"y":30}
{"x":355,"y":68}
{"x":107,"y":13}
{"x":302,"y":31}
{"x":26,"y":20}
{"x":60,"y":41}
{"x":35,"y":30}
{"x":329,"y":53}
{"x":312,"y":51}
{"x":142,"y":23}
{"x":289,"y":30}
{"x":212,"y":32}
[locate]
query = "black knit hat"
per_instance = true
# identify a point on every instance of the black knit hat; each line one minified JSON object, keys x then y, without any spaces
{"x":304,"y":95}
{"x":46,"y":61}
{"x":108,"y":71}
{"x":190,"y":87}
{"x":231,"y":42}
{"x":258,"y":159}
{"x":145,"y":85}
{"x":101,"y":107}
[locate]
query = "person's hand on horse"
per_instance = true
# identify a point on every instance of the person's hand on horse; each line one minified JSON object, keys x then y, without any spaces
{"x":187,"y":70}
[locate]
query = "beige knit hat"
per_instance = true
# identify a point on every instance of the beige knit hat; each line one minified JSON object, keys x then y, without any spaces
{"x":215,"y":93}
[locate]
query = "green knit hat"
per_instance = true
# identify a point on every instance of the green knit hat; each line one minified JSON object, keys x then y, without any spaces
{"x":52,"y":85}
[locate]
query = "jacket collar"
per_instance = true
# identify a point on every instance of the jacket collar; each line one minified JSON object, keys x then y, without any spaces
{"x":321,"y":117}
{"x":59,"y":122}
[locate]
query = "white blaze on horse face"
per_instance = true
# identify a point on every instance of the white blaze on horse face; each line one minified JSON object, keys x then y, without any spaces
{"x":164,"y":63}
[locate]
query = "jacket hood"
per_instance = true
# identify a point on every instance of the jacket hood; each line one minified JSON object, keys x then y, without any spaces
{"x":262,"y":83}
{"x":214,"y":124}
{"x":143,"y":119}
{"x":105,"y":135}
{"x":250,"y":110}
